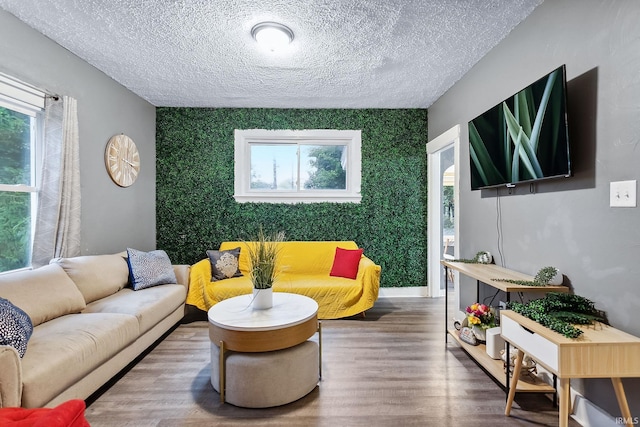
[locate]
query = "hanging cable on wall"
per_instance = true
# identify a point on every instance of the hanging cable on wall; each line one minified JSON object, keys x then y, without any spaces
{"x":499,"y":226}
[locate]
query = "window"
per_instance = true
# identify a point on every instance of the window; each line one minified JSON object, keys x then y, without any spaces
{"x":20,"y":134}
{"x":297,"y":166}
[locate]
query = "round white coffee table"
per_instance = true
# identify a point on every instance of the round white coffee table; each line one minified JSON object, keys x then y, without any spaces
{"x":244,"y":339}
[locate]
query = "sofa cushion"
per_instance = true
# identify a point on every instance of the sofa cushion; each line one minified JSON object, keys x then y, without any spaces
{"x":44,"y":293}
{"x":149,"y":305}
{"x":66,"y":349}
{"x":345,"y":263}
{"x":147,"y":269}
{"x":15,"y":326}
{"x":96,"y":276}
{"x":224,"y":264}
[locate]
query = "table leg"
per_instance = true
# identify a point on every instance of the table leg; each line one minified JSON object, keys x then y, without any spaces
{"x":320,"y":350}
{"x":446,"y":303}
{"x":221,"y":372}
{"x":622,"y":400}
{"x":564,"y":392}
{"x":514,"y":381}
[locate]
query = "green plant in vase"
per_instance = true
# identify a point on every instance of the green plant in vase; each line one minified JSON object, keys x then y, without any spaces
{"x":263,"y":267}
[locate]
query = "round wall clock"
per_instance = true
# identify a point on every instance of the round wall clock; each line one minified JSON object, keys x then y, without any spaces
{"x":122,"y":160}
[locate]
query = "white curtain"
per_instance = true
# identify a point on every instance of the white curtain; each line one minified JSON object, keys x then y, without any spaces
{"x":57,"y":231}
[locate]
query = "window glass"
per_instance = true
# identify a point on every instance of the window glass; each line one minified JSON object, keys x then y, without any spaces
{"x":15,"y":230}
{"x":297,"y":166}
{"x":323,"y":167}
{"x":274,"y":167}
{"x":15,"y":147}
{"x":20,"y":127}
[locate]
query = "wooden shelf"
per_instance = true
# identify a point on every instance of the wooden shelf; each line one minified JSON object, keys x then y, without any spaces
{"x":487,"y":273}
{"x":496,"y":368}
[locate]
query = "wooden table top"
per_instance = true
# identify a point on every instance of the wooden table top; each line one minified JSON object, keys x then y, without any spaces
{"x":488,"y":273}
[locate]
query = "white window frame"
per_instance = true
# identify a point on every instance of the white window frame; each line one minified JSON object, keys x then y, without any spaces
{"x":18,"y":96}
{"x":243,"y":192}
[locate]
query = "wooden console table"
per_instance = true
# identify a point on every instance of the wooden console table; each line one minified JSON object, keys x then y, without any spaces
{"x":600,"y":352}
{"x":486,"y":273}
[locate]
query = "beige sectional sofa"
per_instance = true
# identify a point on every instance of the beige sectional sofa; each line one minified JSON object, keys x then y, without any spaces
{"x":88,"y":326}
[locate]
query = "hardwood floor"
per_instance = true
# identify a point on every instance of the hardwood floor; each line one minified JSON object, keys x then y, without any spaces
{"x":391,"y":368}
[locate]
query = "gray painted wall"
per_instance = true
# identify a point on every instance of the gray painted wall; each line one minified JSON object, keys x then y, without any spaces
{"x":112,"y":217}
{"x":568,"y":223}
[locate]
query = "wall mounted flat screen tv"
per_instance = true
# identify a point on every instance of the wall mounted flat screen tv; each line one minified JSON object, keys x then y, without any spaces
{"x":525,"y":138}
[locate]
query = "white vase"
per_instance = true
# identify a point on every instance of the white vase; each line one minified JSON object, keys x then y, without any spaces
{"x":558,"y":279}
{"x":262,"y":299}
{"x":495,"y":343}
{"x":480,"y":333}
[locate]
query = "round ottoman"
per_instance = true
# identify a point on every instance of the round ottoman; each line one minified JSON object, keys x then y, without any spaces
{"x":273,"y":378}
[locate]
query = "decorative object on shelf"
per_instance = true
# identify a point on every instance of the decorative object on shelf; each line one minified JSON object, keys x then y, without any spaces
{"x":495,"y":342}
{"x":467,"y":335}
{"x":122,"y":160}
{"x":560,"y":311}
{"x":460,"y":320}
{"x":545,"y":276}
{"x":529,"y":366}
{"x":482,"y":257}
{"x":480,"y":317}
{"x":263,"y":256}
{"x":556,"y":278}
{"x":480,"y":333}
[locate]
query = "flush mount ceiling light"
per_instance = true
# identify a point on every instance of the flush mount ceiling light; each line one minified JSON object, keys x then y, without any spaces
{"x":271,"y":35}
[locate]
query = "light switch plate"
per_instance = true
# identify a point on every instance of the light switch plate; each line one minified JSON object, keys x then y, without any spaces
{"x":622,"y":194}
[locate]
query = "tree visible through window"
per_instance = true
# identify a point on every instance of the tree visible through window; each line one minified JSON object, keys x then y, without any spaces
{"x":327,"y":167}
{"x":15,"y":206}
{"x":298,"y":167}
{"x":21,"y":108}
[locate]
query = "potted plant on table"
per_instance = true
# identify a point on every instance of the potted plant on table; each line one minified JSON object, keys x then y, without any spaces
{"x":263,"y":255}
{"x":480,"y":318}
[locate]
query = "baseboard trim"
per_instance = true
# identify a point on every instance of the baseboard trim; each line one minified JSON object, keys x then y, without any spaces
{"x":589,"y":415}
{"x":585,"y":412}
{"x":413,"y":291}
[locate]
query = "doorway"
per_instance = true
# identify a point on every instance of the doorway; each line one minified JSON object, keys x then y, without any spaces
{"x":443,"y":201}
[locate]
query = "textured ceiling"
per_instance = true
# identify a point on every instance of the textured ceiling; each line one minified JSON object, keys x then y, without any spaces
{"x":346,"y":53}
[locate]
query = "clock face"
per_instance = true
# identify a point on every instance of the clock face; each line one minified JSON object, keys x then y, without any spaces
{"x":122,"y":160}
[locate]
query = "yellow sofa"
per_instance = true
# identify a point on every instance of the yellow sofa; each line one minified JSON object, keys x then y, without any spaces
{"x":304,"y":269}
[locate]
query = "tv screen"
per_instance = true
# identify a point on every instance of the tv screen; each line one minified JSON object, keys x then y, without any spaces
{"x":524,"y":138}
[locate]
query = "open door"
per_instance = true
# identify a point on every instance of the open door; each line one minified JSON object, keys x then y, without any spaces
{"x":442,"y":162}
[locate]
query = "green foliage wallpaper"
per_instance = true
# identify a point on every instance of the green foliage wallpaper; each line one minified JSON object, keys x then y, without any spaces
{"x":195,"y":167}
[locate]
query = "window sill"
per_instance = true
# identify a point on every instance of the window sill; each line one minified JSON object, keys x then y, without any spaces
{"x":293,"y":198}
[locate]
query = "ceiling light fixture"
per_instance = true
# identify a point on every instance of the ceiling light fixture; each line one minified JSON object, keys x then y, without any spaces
{"x":271,"y":35}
